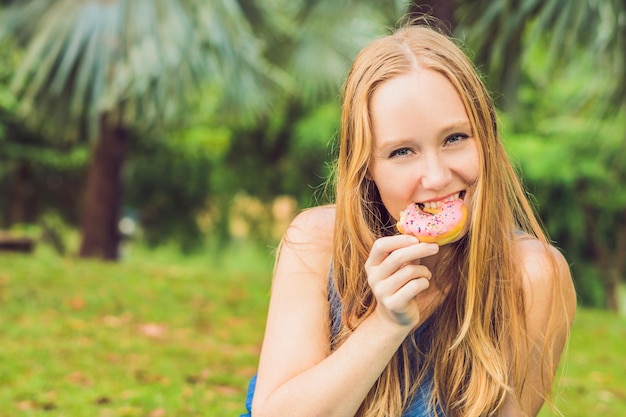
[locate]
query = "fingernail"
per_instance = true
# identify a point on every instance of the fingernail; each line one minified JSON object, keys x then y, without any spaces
{"x":434,"y":248}
{"x":413,"y":239}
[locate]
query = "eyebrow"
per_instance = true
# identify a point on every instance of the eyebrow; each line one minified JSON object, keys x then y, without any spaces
{"x":454,"y":126}
{"x":460,"y":124}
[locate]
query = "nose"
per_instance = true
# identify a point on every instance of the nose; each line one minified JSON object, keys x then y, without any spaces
{"x":436,"y":174}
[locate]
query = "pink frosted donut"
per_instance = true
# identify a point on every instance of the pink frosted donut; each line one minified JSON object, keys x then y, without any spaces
{"x":441,"y":226}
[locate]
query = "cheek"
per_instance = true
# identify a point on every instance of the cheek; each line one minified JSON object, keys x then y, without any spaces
{"x":476,"y":164}
{"x":470,"y":175}
{"x":395,"y":193}
{"x":469,"y":164}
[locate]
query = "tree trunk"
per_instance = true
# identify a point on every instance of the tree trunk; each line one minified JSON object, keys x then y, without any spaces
{"x":618,"y":267}
{"x":441,"y":9}
{"x":103,"y":193}
{"x":20,"y":194}
{"x":607,"y":257}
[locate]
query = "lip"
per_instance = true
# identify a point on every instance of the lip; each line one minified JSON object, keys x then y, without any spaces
{"x":449,"y":197}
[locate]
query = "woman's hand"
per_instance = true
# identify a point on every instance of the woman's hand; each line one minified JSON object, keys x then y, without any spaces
{"x":396,"y":277}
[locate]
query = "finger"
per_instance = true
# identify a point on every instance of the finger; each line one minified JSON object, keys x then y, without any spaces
{"x":412,"y":288}
{"x":401,"y":303}
{"x":399,"y":278}
{"x":385,"y":245}
{"x":406,"y":255}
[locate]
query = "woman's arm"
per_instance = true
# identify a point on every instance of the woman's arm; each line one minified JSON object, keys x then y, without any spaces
{"x":298,"y":376}
{"x":550,"y":304}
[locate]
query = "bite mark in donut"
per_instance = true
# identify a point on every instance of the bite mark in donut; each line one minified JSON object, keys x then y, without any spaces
{"x":440,"y":225}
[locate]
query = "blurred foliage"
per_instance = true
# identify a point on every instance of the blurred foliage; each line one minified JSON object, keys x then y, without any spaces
{"x":299,"y":146}
{"x":203,"y":167}
{"x":169,"y":201}
{"x":38,"y":176}
{"x":568,"y":29}
{"x":571,"y":147}
{"x":9,"y":56}
{"x":167,"y":210}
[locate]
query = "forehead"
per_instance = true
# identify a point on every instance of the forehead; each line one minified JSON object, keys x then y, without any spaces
{"x":419,"y":103}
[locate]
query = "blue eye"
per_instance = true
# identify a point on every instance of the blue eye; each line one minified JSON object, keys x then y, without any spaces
{"x":399,"y":152}
{"x":457,"y":137}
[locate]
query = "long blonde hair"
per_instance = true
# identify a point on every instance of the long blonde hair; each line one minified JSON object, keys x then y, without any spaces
{"x":480,"y":326}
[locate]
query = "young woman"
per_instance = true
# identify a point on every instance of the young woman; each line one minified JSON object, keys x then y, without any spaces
{"x":364,"y":321}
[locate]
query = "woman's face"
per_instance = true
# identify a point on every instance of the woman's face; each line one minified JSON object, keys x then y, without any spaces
{"x":424,"y":149}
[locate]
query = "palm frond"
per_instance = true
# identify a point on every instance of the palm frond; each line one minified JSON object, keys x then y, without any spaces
{"x":501,"y":31}
{"x":136,"y":59}
{"x":326,"y":37}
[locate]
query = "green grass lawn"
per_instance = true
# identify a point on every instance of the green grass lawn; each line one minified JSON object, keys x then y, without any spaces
{"x":164,"y":335}
{"x":593,"y":376}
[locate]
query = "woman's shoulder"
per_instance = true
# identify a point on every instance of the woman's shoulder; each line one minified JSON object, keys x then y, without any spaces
{"x":307,"y":244}
{"x":541,"y":261}
{"x":314,"y":224}
{"x":546,"y":276}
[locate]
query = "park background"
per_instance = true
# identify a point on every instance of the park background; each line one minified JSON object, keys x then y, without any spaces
{"x":152,"y":153}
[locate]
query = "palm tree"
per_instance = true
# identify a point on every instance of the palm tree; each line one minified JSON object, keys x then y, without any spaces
{"x":501,"y":32}
{"x":98,"y":70}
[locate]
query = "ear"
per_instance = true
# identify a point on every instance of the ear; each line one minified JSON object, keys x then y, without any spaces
{"x":368,"y":175}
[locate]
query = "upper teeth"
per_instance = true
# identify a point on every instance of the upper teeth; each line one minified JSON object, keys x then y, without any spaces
{"x":437,"y":204}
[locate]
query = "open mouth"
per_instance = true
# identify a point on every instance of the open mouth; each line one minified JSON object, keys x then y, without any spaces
{"x":434,"y":207}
